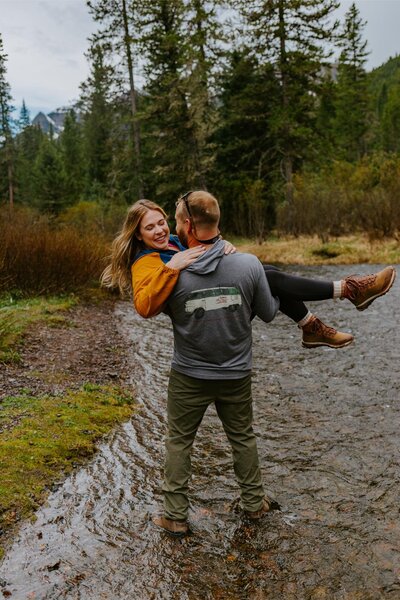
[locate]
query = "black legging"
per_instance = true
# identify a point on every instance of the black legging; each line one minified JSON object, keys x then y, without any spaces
{"x":292,"y":291}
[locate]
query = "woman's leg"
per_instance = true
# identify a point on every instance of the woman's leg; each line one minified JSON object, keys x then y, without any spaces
{"x":360,"y":290}
{"x":291,"y":291}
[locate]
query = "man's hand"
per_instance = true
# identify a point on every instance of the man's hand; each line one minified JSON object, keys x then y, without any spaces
{"x":183,"y":259}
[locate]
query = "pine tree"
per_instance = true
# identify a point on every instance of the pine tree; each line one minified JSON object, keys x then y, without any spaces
{"x":325,"y":121}
{"x":292,"y":36}
{"x":24,"y":117}
{"x":27,"y":144}
{"x":119,"y":24}
{"x":381,"y":100}
{"x":181,"y":48}
{"x":390,"y":121}
{"x":6,"y":138}
{"x":204,"y":54}
{"x":351,"y":105}
{"x":48,"y":181}
{"x":71,"y":143}
{"x":245,"y":143}
{"x":167,"y":124}
{"x":96,"y":103}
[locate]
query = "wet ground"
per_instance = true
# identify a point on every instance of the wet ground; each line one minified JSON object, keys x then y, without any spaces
{"x":328,"y":427}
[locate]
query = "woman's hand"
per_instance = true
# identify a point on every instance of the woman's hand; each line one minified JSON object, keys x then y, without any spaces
{"x":229,"y":248}
{"x":183,"y":259}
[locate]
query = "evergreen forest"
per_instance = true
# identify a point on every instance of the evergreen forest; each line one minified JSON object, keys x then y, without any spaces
{"x":265,"y":103}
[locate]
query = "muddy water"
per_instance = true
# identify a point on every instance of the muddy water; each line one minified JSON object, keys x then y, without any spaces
{"x":328,"y":430}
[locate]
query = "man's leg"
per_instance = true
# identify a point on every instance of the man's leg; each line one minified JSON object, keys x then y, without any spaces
{"x":188,"y":400}
{"x":234,"y":408}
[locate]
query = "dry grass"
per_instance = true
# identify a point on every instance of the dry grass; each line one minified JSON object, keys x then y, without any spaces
{"x":307,"y":250}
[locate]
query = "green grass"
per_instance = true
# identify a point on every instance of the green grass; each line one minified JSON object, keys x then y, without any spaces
{"x":44,"y":438}
{"x":17,"y":315}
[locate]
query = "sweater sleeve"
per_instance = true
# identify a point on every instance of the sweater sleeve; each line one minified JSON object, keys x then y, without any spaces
{"x":265,"y":305}
{"x":152,"y":282}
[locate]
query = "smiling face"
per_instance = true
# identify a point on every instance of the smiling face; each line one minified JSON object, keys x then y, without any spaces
{"x":154,"y":230}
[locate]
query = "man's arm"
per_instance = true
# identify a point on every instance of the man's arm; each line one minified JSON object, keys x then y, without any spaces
{"x":264,"y":305}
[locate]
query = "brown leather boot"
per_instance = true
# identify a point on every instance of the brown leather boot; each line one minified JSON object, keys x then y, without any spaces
{"x":175,"y":528}
{"x":362,"y":291}
{"x":268,"y":505}
{"x":316,"y":333}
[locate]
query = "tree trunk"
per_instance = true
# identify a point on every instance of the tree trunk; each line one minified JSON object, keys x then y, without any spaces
{"x":202,"y":96}
{"x":288,"y":171}
{"x":287,"y":151}
{"x":135,"y":124}
{"x":10,"y":185}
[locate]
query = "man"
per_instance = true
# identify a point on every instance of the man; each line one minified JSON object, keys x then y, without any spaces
{"x":211,"y":309}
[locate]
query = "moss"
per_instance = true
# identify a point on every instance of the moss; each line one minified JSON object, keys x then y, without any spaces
{"x":43,"y":438}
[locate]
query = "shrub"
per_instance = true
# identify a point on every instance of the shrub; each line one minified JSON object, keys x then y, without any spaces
{"x":346,"y":198}
{"x":89,"y":216}
{"x":320,"y":206}
{"x":39,"y":257}
{"x":84,"y":216}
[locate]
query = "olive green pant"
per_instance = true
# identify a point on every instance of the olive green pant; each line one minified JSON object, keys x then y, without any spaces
{"x":188,"y":399}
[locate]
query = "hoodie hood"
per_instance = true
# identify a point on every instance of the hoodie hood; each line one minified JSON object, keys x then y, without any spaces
{"x":209,"y":261}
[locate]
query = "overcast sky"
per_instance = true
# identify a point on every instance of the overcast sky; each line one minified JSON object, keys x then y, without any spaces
{"x":46,"y":39}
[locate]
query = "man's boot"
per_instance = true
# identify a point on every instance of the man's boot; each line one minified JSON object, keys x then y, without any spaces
{"x":174,"y":528}
{"x":267,"y":506}
{"x":316,"y":333}
{"x":362,"y":291}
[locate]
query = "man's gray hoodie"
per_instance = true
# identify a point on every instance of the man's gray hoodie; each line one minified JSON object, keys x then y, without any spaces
{"x":211,"y":309}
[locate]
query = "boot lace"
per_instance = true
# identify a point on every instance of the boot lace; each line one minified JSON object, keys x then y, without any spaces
{"x":356,"y":285}
{"x":323,"y":329}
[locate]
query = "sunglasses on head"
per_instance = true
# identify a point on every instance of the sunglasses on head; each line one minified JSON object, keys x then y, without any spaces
{"x":185,"y":199}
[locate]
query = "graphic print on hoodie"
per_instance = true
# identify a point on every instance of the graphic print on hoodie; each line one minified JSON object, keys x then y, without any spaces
{"x":200,"y":301}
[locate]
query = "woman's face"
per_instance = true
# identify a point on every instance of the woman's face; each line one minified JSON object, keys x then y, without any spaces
{"x":153,"y":230}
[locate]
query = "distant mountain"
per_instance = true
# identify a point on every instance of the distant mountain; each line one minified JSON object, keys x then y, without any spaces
{"x":53,"y":121}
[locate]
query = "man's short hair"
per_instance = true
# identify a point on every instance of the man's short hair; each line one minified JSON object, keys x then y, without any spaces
{"x":203,"y":208}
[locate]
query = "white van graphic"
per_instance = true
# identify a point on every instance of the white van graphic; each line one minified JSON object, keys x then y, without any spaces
{"x":200,"y":301}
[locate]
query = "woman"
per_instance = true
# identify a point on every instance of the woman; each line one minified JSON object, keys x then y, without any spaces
{"x":146,"y":257}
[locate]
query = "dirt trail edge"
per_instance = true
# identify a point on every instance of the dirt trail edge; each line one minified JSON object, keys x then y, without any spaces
{"x":85,"y":347}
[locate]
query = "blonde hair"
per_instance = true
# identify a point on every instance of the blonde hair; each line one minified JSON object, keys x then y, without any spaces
{"x":117,"y":275}
{"x":203,"y":206}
